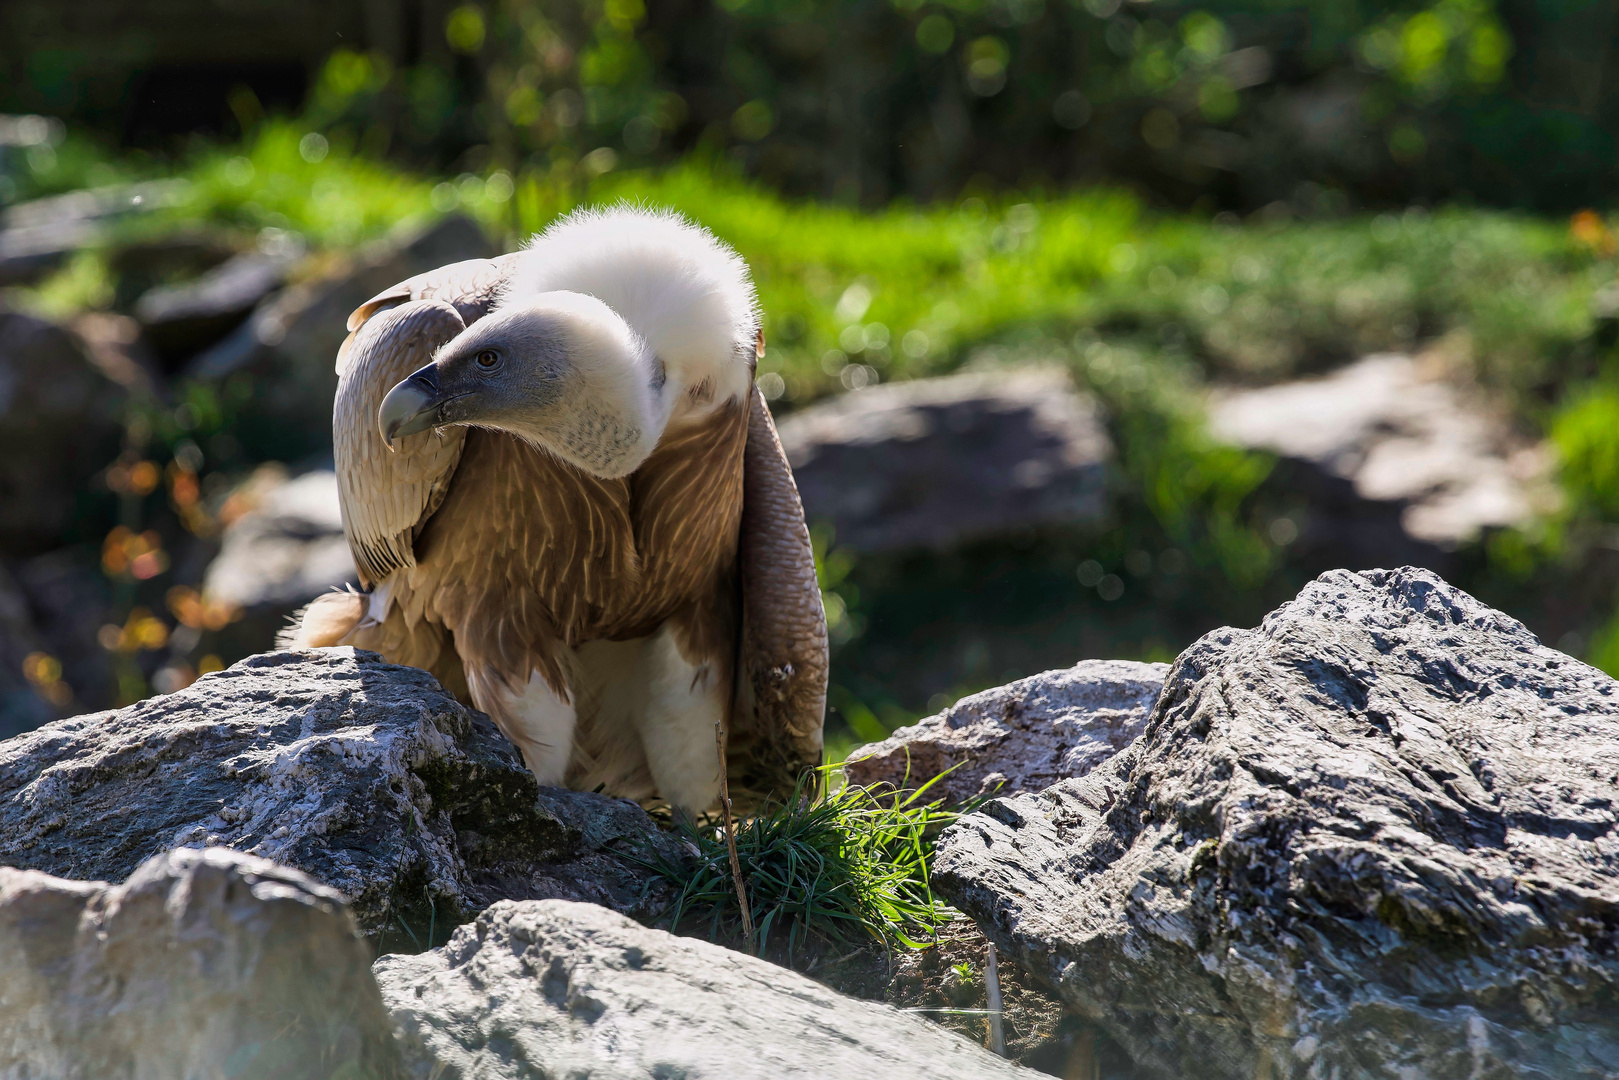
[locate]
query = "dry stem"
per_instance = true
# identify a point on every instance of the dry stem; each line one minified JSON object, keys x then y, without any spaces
{"x":730,"y":842}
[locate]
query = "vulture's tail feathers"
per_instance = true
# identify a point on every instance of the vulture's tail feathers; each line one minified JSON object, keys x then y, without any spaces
{"x":327,"y":620}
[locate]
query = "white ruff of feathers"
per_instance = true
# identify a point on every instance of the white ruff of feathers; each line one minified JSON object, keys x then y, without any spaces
{"x":686,"y":293}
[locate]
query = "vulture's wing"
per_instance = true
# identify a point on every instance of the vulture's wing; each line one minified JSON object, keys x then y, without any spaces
{"x":386,"y":497}
{"x":776,"y":732}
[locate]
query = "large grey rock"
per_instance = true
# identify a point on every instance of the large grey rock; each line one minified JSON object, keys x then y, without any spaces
{"x":365,"y":775}
{"x":281,"y":554}
{"x":553,"y":989}
{"x":37,"y":236}
{"x":59,"y":425}
{"x":937,"y":462}
{"x":1024,"y":736}
{"x":180,"y":319}
{"x":1443,"y":464}
{"x":204,"y":963}
{"x":1374,"y":837}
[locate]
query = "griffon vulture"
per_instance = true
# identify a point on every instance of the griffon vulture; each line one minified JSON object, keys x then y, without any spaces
{"x":566,"y":499}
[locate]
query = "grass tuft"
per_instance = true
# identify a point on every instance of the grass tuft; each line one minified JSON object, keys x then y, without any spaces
{"x":848,"y":869}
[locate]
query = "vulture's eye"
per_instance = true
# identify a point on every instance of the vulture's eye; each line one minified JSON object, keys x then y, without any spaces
{"x":489,"y":359}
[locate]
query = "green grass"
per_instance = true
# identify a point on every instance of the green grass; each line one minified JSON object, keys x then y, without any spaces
{"x":849,"y":868}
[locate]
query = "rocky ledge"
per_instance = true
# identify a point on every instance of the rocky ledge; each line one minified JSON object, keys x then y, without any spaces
{"x":1373,"y":837}
{"x":367,"y":776}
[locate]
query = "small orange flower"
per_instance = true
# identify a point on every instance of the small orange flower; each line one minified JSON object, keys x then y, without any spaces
{"x":1590,"y":231}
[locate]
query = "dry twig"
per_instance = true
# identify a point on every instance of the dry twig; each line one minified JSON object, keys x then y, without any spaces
{"x":730,"y":841}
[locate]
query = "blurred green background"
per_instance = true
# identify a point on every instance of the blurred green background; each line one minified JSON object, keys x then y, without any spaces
{"x":1159,"y":198}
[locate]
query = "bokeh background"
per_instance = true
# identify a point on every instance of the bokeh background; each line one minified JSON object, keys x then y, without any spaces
{"x":1231,"y":293}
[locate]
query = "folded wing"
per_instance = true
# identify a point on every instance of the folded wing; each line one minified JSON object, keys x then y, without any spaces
{"x":781,"y":699}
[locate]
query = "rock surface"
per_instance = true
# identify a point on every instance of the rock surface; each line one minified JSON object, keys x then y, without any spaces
{"x":180,"y":319}
{"x":1417,"y":444}
{"x":365,"y":775}
{"x":936,"y":462}
{"x":551,"y":989}
{"x":1024,"y":736}
{"x":203,"y":963}
{"x":285,"y":551}
{"x":58,"y":427}
{"x":1374,"y":837}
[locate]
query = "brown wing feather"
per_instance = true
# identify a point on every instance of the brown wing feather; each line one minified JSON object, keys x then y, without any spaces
{"x":781,"y":699}
{"x":385,"y":496}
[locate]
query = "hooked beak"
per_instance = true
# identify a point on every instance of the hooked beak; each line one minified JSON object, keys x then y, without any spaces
{"x":411,"y":406}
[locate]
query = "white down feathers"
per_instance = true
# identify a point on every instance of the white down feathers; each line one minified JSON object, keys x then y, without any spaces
{"x":685,"y":292}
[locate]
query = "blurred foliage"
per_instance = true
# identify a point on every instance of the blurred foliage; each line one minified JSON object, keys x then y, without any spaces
{"x":1307,"y":106}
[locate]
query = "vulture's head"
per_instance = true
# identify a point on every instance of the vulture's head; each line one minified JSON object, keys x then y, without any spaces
{"x":561,"y":370}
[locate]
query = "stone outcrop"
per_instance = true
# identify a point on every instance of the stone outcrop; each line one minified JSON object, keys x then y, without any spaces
{"x":282,"y":553}
{"x":553,"y":988}
{"x":203,"y":963}
{"x":1418,"y":456}
{"x":365,"y":775}
{"x":181,"y":319}
{"x":59,"y":425}
{"x":1373,"y":837}
{"x":938,"y":462}
{"x":1024,"y":736}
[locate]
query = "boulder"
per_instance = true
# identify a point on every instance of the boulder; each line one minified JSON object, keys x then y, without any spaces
{"x":55,"y":605}
{"x":281,"y":554}
{"x":59,"y":426}
{"x":203,"y":963}
{"x":550,"y":988}
{"x":365,"y":775}
{"x":1024,"y":736}
{"x":938,"y":462}
{"x":1373,"y":837}
{"x":23,"y":704}
{"x":1428,"y":467}
{"x":179,"y":320}
{"x":37,"y":236}
{"x":288,"y":346}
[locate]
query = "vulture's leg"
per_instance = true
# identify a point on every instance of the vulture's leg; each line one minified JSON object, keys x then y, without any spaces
{"x":685,"y":699}
{"x":537,"y":718}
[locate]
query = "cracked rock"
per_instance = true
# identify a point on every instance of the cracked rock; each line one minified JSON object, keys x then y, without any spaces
{"x":1024,"y":736}
{"x":1373,"y":837}
{"x":549,"y":989}
{"x":203,"y":963}
{"x":367,"y":776}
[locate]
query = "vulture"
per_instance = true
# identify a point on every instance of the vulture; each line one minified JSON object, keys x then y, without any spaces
{"x":566,"y":499}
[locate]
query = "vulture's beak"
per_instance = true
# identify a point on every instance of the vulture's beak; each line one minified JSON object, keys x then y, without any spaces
{"x":411,"y":406}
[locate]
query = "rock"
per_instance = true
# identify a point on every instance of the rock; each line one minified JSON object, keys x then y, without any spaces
{"x":365,"y":775}
{"x":179,"y":320}
{"x":1374,"y":837}
{"x":1024,"y":736}
{"x":23,"y":704}
{"x":59,"y":426}
{"x":57,"y":603}
{"x":288,"y":346}
{"x":37,"y":236}
{"x":1421,"y":448}
{"x":281,"y":554}
{"x":552,"y":988}
{"x":203,"y":963}
{"x":938,"y":462}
